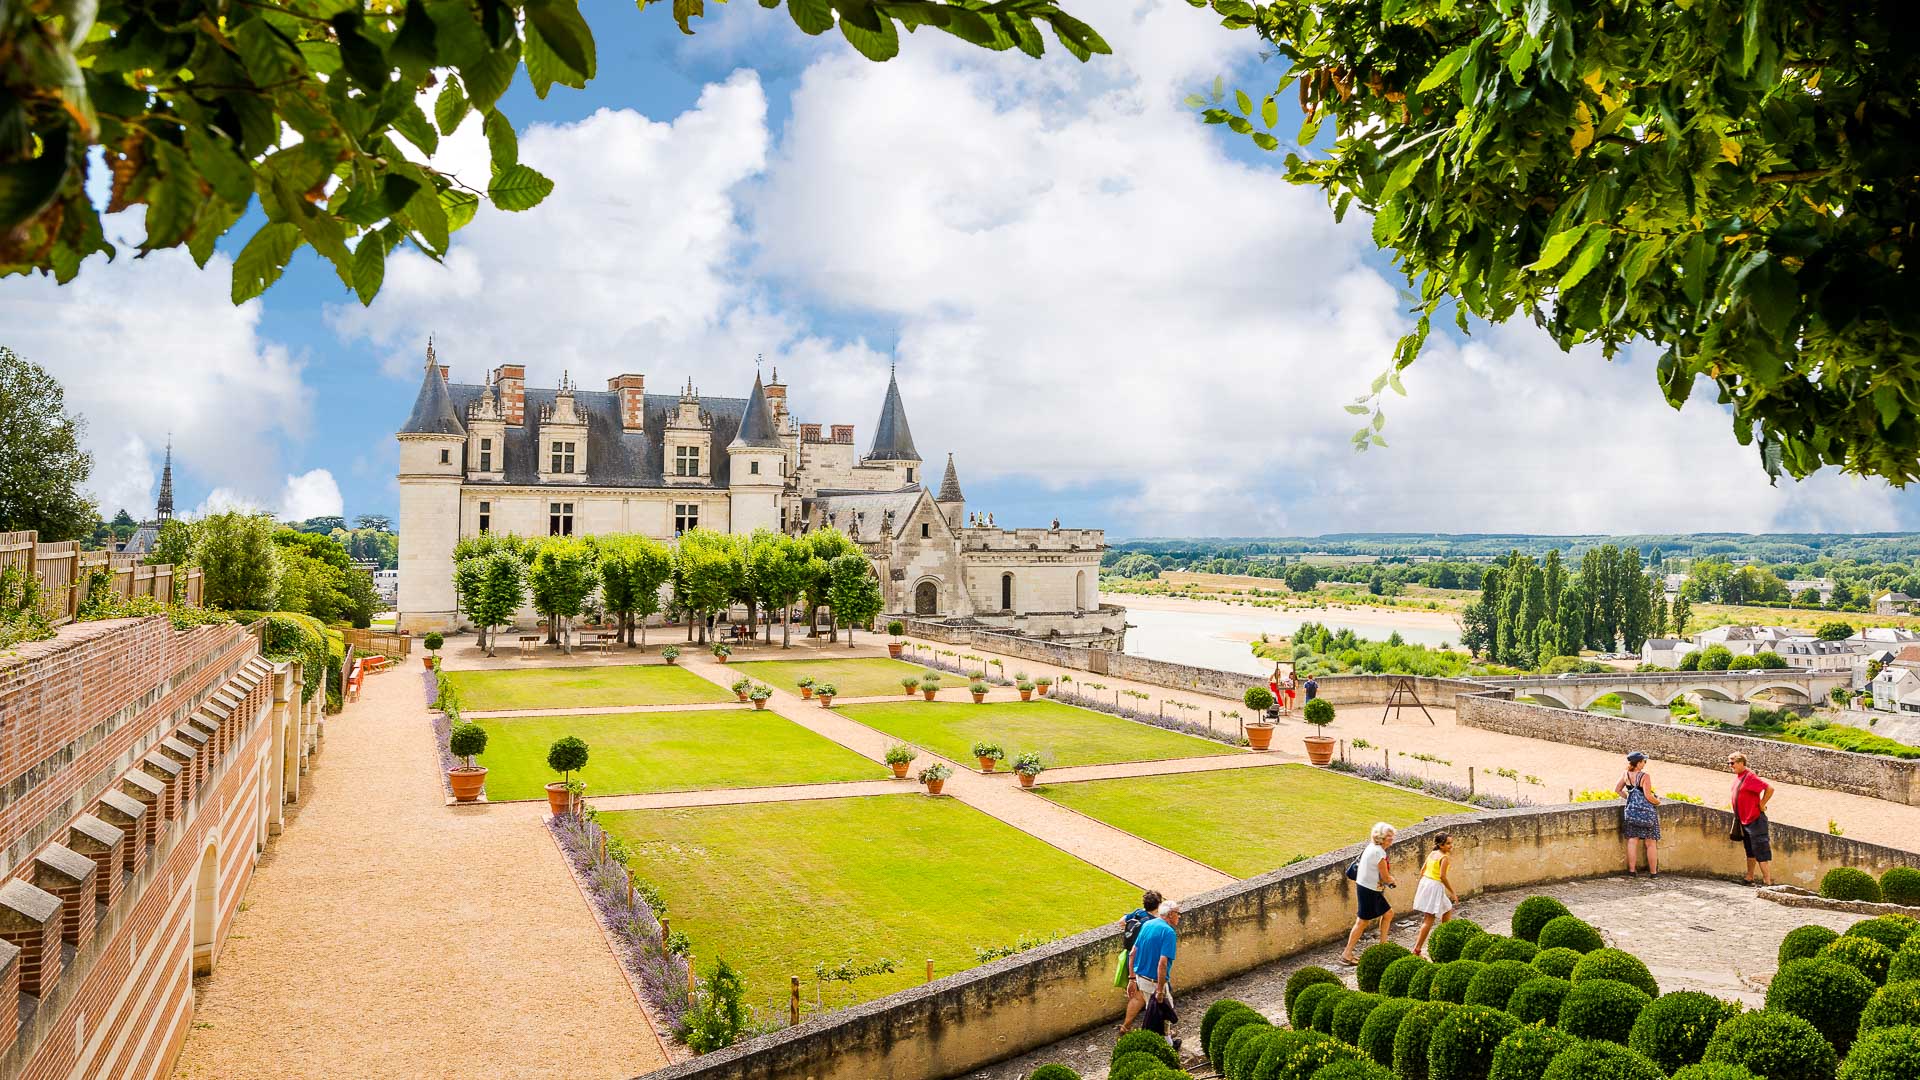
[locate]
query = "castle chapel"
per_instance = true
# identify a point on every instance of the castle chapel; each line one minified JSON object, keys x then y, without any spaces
{"x":501,"y":456}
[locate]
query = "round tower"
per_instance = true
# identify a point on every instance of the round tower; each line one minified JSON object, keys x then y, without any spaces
{"x":754,"y":460}
{"x":432,"y":465}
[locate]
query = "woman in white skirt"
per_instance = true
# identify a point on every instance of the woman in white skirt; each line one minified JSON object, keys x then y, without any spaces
{"x":1434,"y":899}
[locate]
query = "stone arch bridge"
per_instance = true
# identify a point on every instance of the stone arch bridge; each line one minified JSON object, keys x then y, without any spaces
{"x":1784,"y":685}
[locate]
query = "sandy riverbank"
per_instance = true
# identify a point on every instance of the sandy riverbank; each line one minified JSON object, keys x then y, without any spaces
{"x":1353,"y":615}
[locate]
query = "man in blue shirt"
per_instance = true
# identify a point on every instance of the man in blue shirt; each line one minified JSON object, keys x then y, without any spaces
{"x":1153,"y":951}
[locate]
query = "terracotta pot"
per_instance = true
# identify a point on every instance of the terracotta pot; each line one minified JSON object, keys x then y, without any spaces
{"x":722,"y":658}
{"x":671,"y":660}
{"x":826,"y":702}
{"x":1045,"y":689}
{"x":1026,"y":779}
{"x":1320,"y":749}
{"x":759,"y":703}
{"x":934,"y":786}
{"x":900,"y":769}
{"x":910,"y":693}
{"x":987,"y":764}
{"x":467,"y":783}
{"x":929,"y":693}
{"x":557,"y":800}
{"x":978,"y":698}
{"x":1026,"y":695}
{"x":806,"y":693}
{"x":427,"y":662}
{"x":893,"y":649}
{"x":742,"y":697}
{"x":1260,"y":736}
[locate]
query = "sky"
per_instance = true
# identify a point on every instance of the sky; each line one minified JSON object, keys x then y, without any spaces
{"x":1109,"y":312}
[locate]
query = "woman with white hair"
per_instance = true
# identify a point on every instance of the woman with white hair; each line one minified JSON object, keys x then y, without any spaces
{"x":1371,"y":877}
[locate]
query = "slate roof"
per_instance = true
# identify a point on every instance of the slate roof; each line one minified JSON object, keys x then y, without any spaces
{"x":860,"y":514}
{"x":756,"y":425}
{"x":892,"y":438}
{"x":433,"y":408}
{"x":615,"y":458}
{"x":142,"y":540}
{"x":950,"y":484}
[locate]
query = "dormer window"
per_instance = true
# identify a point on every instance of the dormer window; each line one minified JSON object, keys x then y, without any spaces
{"x":486,"y":455}
{"x":562,"y":458}
{"x":686,"y":461}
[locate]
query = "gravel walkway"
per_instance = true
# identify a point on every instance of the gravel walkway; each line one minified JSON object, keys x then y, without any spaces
{"x":388,"y":935}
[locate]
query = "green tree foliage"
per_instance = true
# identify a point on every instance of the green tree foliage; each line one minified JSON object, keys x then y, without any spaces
{"x":174,"y":545}
{"x":313,"y":108}
{"x":1682,"y":615}
{"x":1730,"y":179}
{"x":854,"y":594}
{"x":782,"y":567}
{"x":1531,"y":611}
{"x":42,"y":466}
{"x":1136,"y":566}
{"x":561,"y":577}
{"x":826,"y":545}
{"x":708,"y":571}
{"x":499,"y":588}
{"x":1834,"y":631}
{"x":239,"y":561}
{"x":318,"y":578}
{"x":633,"y":569}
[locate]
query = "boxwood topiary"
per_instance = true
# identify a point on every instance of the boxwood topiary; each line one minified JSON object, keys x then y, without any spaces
{"x":1889,"y":930}
{"x":1300,"y":1017}
{"x":1601,"y":1009}
{"x":1556,"y":962}
{"x":1906,"y":962}
{"x":1714,"y":1070}
{"x":1164,"y":1072}
{"x":1538,"y":999}
{"x":1376,"y":1035}
{"x":1826,"y":993}
{"x":1134,"y":1064}
{"x":1308,"y":1058}
{"x":1870,"y":957}
{"x":1805,"y":942}
{"x":1887,"y":1054}
{"x":1533,"y":913}
{"x":1446,"y":940}
{"x":1493,"y":984}
{"x":1451,"y":980}
{"x":1278,"y":1050}
{"x":1148,"y":1043}
{"x":1394,"y":980}
{"x":1901,"y":885}
{"x":1527,"y":1051}
{"x":1304,"y":978}
{"x":1421,"y":985}
{"x":1213,"y":1014}
{"x":1223,"y":1028}
{"x":1846,"y":883}
{"x":1244,"y":1050}
{"x":1895,"y":1005}
{"x":1598,"y":1060}
{"x":1356,"y":1069}
{"x":1463,"y":1042}
{"x":1351,"y":1015}
{"x":1410,"y":1042}
{"x":1375,"y":961}
{"x":1570,"y":932}
{"x":1616,"y":965}
{"x":1773,"y":1045}
{"x":1477,"y":945}
{"x":1510,"y":948}
{"x":1674,"y":1028}
{"x":1323,"y":1012}
{"x":1053,"y":1071}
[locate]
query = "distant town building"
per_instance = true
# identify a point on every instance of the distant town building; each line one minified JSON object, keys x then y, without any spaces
{"x":1812,"y":654}
{"x":1891,"y":603}
{"x":1747,"y":640}
{"x":1822,"y":586}
{"x":147,"y":536}
{"x":386,"y":585}
{"x":1665,"y":652}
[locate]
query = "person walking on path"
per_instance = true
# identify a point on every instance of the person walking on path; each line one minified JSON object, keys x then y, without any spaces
{"x":1273,"y":685}
{"x":1129,"y":931}
{"x":1371,"y":875}
{"x":1750,"y":797}
{"x":1312,"y":688}
{"x":1287,"y":689}
{"x":1153,"y":952}
{"x":1434,"y":899}
{"x":1640,"y":818}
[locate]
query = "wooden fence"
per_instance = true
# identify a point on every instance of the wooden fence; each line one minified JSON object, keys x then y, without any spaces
{"x":382,"y":642}
{"x":65,"y":572}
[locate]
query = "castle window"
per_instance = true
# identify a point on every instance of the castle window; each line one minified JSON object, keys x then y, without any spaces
{"x":486,"y":517}
{"x":926,"y":530}
{"x":685,"y":516}
{"x":486,"y":455}
{"x":560,"y":519}
{"x":909,"y":474}
{"x":446,"y":456}
{"x":686,"y":461}
{"x":562,"y":458}
{"x":1006,"y":592}
{"x":753,"y":467}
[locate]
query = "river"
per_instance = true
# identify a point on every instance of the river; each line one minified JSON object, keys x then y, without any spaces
{"x":1219,"y":639}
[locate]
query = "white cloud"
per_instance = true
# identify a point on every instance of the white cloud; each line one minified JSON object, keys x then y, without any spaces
{"x":310,"y":494}
{"x":220,"y":500}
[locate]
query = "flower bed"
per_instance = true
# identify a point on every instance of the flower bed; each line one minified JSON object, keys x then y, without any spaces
{"x":1127,"y":712}
{"x":625,"y":908}
{"x":1439,"y":789}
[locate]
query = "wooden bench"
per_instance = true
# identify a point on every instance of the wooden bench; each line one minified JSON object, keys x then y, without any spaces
{"x":528,"y":643}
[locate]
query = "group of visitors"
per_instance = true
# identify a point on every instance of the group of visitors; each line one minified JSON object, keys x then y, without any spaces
{"x":1284,"y":688}
{"x":1150,"y":936}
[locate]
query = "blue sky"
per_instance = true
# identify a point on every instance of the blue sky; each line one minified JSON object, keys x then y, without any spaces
{"x":1109,"y":312}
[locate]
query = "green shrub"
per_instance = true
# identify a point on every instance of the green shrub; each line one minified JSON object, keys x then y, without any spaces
{"x":1053,"y":1072}
{"x":467,"y":740}
{"x":1319,"y":712}
{"x":1257,"y":698}
{"x":1774,"y":1046}
{"x":1165,"y":1073}
{"x":1716,"y":1070}
{"x":718,"y":1016}
{"x":1826,"y":993}
{"x":1351,"y":1015}
{"x":1411,"y":1041}
{"x":1887,"y":1054}
{"x":1674,"y":1028}
{"x":1304,"y":978}
{"x":1534,"y":913}
{"x":1451,"y":980}
{"x":1891,"y":931}
{"x":1847,"y":883}
{"x":567,"y":755}
{"x":1901,"y":885}
{"x":1805,"y":942}
{"x":1278,"y":1051}
{"x":1212,"y":1016}
{"x":1538,"y":999}
{"x":1508,"y":948}
{"x":1394,"y":980}
{"x":1601,"y":1009}
{"x":1527,"y":1051}
{"x":1375,"y":961}
{"x":1309,"y":1058}
{"x":1323,"y":1012}
{"x":1445,"y":942}
{"x":1906,"y":963}
{"x":1133,"y":1065}
{"x":1570,"y":932}
{"x":1493,"y":984}
{"x":1478,"y":944}
{"x":1307,"y":1004}
{"x":1464,"y":1040}
{"x":1870,"y":957}
{"x":1376,"y":1035}
{"x":1244,"y":1050}
{"x":1617,"y":965}
{"x":1601,"y":1061}
{"x":1224,"y":1025}
{"x":1421,"y":985}
{"x":1145,"y":1042}
{"x":1896,"y":1004}
{"x":1356,"y":1069}
{"x":1556,"y":962}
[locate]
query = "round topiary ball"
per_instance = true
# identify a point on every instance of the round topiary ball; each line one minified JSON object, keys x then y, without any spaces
{"x":1357,"y":1069}
{"x":1569,"y":932}
{"x":1374,"y":963}
{"x":1556,"y":962}
{"x":1510,"y":948}
{"x":1300,"y":1016}
{"x":1674,"y":1028}
{"x":1895,"y":1005}
{"x":1717,"y":1070}
{"x":1304,"y":978}
{"x":1805,"y":942}
{"x":1846,"y":883}
{"x":1887,"y":1054}
{"x":1870,"y":957}
{"x":1601,"y":1009}
{"x":1244,"y":1050}
{"x":1278,"y":1050}
{"x":1463,"y":1042}
{"x":1451,"y":980}
{"x":1773,"y":1045}
{"x":1538,"y":999}
{"x":1133,"y":1065}
{"x":1906,"y":962}
{"x":1445,"y":942}
{"x":1164,"y":1072}
{"x":1376,"y":1035}
{"x":1616,"y":965}
{"x":1309,"y":1058}
{"x":1394,"y":980}
{"x":1601,"y":1061}
{"x":1145,"y":1042}
{"x":1527,"y":1051}
{"x":1534,"y":913}
{"x":1054,"y":1071}
{"x":1901,"y":885}
{"x":1477,"y":945}
{"x":1233,"y":1020}
{"x":1410,"y":1042}
{"x":1213,"y":1014}
{"x":1351,"y":1015}
{"x":1493,"y":984}
{"x":1889,"y":930}
{"x":1826,"y":993}
{"x":1420,"y":987}
{"x":1323,"y":1012}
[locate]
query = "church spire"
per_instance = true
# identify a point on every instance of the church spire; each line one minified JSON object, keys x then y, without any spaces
{"x":164,"y":512}
{"x":950,"y":485}
{"x":892,"y":438}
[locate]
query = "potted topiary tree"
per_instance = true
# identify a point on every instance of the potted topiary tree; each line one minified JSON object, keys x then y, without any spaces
{"x":566,"y":756}
{"x":989,"y":754}
{"x":979,"y":691}
{"x":741,"y":686}
{"x":1319,"y":713}
{"x":1025,"y":687}
{"x":759,"y":696}
{"x":806,"y":687}
{"x":930,"y":684}
{"x":911,"y":685}
{"x":898,"y":630}
{"x":432,"y":641}
{"x":466,"y":741}
{"x":935,"y":777}
{"x":1027,"y":766}
{"x":1045,"y":683}
{"x":825,"y":691}
{"x":670,"y":653}
{"x":900,"y":755}
{"x":1260,"y":730}
{"x":721,"y":650}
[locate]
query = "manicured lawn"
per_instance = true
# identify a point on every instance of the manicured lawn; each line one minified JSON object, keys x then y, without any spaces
{"x":1062,"y":734}
{"x":667,"y":751}
{"x":583,"y":687}
{"x":853,"y":677}
{"x":1249,"y":821}
{"x":775,"y":888}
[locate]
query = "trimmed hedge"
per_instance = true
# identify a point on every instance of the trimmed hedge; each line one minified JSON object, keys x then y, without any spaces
{"x":1826,"y":993}
{"x":1421,"y":985}
{"x":1277,"y":1050}
{"x":1533,"y":914}
{"x":1538,"y":999}
{"x":1307,"y":1004}
{"x":1901,"y":885}
{"x":1054,"y":1071}
{"x":1805,"y":942}
{"x":1477,"y":945}
{"x":1602,"y":1009}
{"x":1375,"y":961}
{"x":1357,"y":1069}
{"x":1717,"y":1070}
{"x":1601,"y":1061}
{"x":1145,"y":1042}
{"x":1886,"y":1054}
{"x":1906,"y":963}
{"x":1773,"y":1045}
{"x":1556,"y":962}
{"x":1870,"y":957}
{"x":1508,"y":948}
{"x":1310,"y":1057}
{"x":1414,"y":1036}
{"x":1617,"y":965}
{"x":1212,"y":1016}
{"x":1527,"y":1051}
{"x":1493,"y":984}
{"x":1673,"y":1029}
{"x":1448,"y":938}
{"x":1376,"y":1035}
{"x":1891,"y":931}
{"x":1304,"y":978}
{"x":1164,"y":1073}
{"x":1570,"y":932}
{"x":1133,"y":1065}
{"x":1216,"y":1041}
{"x":1323,"y":1013}
{"x":1394,"y":980}
{"x":1245,"y":1048}
{"x":1895,"y":1005}
{"x":1351,"y":1015}
{"x":1847,"y":883}
{"x":1463,"y":1042}
{"x":1450,"y":982}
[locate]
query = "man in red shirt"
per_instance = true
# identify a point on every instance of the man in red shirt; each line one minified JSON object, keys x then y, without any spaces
{"x":1750,"y":797}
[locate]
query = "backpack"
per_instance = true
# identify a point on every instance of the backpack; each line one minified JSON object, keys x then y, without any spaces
{"x":1130,"y":928}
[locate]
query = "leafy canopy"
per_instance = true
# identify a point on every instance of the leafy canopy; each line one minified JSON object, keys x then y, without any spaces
{"x":1731,"y":179}
{"x":42,"y":466}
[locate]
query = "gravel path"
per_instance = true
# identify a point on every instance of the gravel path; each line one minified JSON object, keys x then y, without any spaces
{"x":388,"y":935}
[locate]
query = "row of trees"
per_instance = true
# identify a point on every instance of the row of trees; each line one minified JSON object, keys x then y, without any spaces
{"x":250,"y":562}
{"x":633,"y":578}
{"x":1531,"y":611}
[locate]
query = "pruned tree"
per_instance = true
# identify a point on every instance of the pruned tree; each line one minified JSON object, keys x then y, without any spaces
{"x":854,"y":593}
{"x":560,"y":579}
{"x":501,"y":588}
{"x":632,"y":570}
{"x":238,"y":560}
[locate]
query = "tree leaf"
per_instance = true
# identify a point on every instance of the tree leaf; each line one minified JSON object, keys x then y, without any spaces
{"x":221,"y":164}
{"x":881,"y":44}
{"x":488,"y":77}
{"x":811,"y":16}
{"x":450,"y":108}
{"x":1357,"y":410}
{"x":460,"y":207}
{"x":1244,"y":102}
{"x":518,"y":187}
{"x":565,"y":32}
{"x":1559,"y":247}
{"x":413,"y":124}
{"x":501,"y":140}
{"x":1194,"y":101}
{"x":1590,"y":255}
{"x":1445,"y":69}
{"x":1265,"y":141}
{"x":369,"y":267}
{"x":262,"y":260}
{"x":1269,"y":113}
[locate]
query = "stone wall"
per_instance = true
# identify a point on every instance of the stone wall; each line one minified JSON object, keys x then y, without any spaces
{"x":964,"y":1021}
{"x":1835,"y":770}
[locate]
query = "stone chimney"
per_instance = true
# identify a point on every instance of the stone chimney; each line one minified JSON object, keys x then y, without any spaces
{"x":809,"y":432}
{"x":633,"y":401}
{"x":777,"y":397}
{"x":510,"y":381}
{"x":842,"y":433}
{"x":446,"y":373}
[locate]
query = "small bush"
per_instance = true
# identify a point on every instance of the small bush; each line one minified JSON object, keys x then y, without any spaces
{"x":1355,"y":1069}
{"x":1257,"y":698}
{"x":1309,"y":1058}
{"x":1570,"y":932}
{"x":1323,"y":1012}
{"x":1464,"y":1040}
{"x":1277,"y":1052}
{"x":1538,"y":999}
{"x":1674,"y":1028}
{"x":1307,"y":1004}
{"x":1448,"y":938}
{"x":1375,"y":961}
{"x":1527,"y":1051}
{"x":1601,"y":1061}
{"x":1826,"y":993}
{"x":1906,"y":963}
{"x":1319,"y":712}
{"x":1376,"y":1035}
{"x":1891,"y":931}
{"x":1451,"y":980}
{"x":1901,"y":885}
{"x":1534,"y":913}
{"x":1133,"y":1065}
{"x":1214,"y":1037}
{"x":1847,"y":883}
{"x":1411,"y":1041}
{"x":1558,"y":963}
{"x":1617,"y":965}
{"x":1420,"y":987}
{"x":1804,"y":943}
{"x":1053,"y":1072}
{"x":1887,"y":1054}
{"x":1601,"y":1009}
{"x":1244,"y":1049}
{"x":567,"y":755}
{"x":1718,"y":1070}
{"x":1494,"y":983}
{"x":1773,"y":1045}
{"x":467,"y":740}
{"x":1870,"y":957}
{"x":1394,"y":980}
{"x":1477,"y":945}
{"x":1351,"y":1015}
{"x":1212,"y":1016}
{"x":1895,"y":1005}
{"x":1304,"y":978}
{"x":1508,"y":948}
{"x":1145,"y":1042}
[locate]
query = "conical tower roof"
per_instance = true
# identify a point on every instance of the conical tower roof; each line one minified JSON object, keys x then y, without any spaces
{"x":164,"y":511}
{"x":892,"y":438}
{"x":950,"y":485}
{"x":433,"y":412}
{"x":756,"y":426}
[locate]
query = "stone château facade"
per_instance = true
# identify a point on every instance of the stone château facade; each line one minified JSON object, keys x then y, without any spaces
{"x":500,"y":456}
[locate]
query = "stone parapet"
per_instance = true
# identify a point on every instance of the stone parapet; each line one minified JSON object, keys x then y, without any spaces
{"x":30,"y":921}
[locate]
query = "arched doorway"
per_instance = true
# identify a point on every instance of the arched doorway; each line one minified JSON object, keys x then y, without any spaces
{"x":1006,"y":592}
{"x":926,"y":598}
{"x":1080,"y":602}
{"x":206,"y":895}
